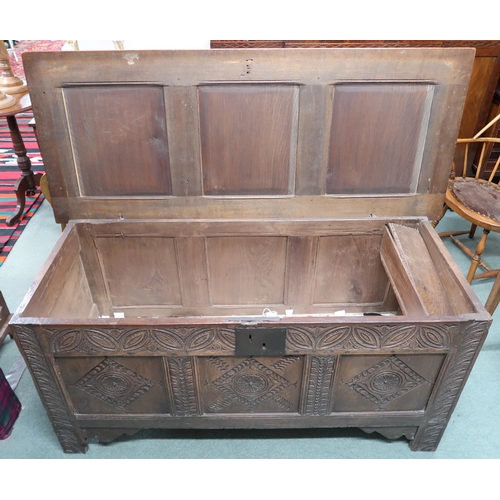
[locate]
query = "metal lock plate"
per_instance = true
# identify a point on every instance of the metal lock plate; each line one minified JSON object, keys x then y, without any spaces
{"x":260,"y":341}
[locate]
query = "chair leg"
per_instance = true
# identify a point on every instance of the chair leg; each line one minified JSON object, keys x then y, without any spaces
{"x":472,"y":231}
{"x":494,"y":296}
{"x":477,"y":256}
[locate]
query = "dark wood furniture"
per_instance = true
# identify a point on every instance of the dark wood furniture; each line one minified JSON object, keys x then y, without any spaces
{"x":484,"y":77}
{"x":492,"y":153}
{"x":28,"y":181}
{"x":220,"y":188}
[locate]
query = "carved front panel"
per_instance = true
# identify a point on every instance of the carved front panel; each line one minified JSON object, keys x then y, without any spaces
{"x":251,"y":385}
{"x":385,"y":383}
{"x":115,"y":385}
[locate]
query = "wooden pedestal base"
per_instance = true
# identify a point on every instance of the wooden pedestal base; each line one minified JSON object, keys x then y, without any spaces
{"x":24,"y":186}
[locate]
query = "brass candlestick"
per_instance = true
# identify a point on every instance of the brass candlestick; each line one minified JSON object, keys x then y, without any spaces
{"x":9,"y":83}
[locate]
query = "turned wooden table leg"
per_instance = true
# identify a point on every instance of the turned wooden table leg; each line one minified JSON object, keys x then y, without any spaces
{"x":477,"y":256}
{"x":494,"y":296}
{"x":28,"y":182}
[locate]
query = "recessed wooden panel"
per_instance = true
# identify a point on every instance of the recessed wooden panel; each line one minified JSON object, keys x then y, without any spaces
{"x":377,"y":137}
{"x":385,"y":383}
{"x":115,"y":385}
{"x":248,"y":138}
{"x":251,"y":385}
{"x":141,"y":271}
{"x":119,"y":139}
{"x":349,"y":270}
{"x":246,"y":270}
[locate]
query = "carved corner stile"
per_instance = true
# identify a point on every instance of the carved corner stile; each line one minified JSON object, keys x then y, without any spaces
{"x":70,"y":436}
{"x":455,"y":375}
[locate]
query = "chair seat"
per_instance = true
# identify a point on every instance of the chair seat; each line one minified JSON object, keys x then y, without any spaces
{"x":473,"y":199}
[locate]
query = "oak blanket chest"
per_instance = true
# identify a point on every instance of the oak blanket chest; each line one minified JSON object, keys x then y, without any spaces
{"x":248,"y":242}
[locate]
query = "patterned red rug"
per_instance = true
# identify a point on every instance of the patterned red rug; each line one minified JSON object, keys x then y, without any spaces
{"x":31,"y":46}
{"x":9,"y":172}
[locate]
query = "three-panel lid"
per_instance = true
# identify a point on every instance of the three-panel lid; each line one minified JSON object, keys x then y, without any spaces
{"x":259,"y":133}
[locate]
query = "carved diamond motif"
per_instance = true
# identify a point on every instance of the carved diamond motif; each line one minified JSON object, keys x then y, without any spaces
{"x":386,"y":381}
{"x":250,"y":383}
{"x":114,"y":383}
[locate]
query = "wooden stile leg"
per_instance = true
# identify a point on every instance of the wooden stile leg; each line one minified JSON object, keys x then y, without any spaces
{"x":443,"y":401}
{"x":69,"y":434}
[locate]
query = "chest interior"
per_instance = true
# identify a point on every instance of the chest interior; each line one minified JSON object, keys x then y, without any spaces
{"x":235,"y":269}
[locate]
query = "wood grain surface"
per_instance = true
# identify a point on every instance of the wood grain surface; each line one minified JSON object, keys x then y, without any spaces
{"x":248,"y":133}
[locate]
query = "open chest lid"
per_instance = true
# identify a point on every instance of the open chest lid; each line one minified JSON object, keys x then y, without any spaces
{"x":259,"y":133}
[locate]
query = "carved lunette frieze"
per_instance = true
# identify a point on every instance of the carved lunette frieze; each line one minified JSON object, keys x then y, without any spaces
{"x":137,"y":340}
{"x":369,"y":337}
{"x":212,"y":339}
{"x":439,"y":413}
{"x":70,"y":437}
{"x":182,"y":379}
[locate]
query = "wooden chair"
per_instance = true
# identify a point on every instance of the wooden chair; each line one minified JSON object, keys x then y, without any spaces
{"x":476,"y":199}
